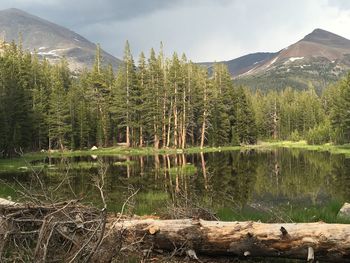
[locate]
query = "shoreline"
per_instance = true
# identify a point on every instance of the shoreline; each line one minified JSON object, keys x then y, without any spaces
{"x":130,"y":151}
{"x":15,"y":164}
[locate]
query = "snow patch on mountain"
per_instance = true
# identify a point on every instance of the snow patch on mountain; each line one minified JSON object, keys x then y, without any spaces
{"x":52,"y":53}
{"x":292,"y":59}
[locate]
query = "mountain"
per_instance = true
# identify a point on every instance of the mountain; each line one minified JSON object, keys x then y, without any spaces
{"x":243,"y":64}
{"x":50,"y":40}
{"x":320,"y":58}
{"x":319,"y":44}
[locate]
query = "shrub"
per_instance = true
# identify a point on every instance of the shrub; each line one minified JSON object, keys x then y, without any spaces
{"x":295,"y":137}
{"x":320,"y":134}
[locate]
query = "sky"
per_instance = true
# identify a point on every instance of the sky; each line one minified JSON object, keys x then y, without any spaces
{"x":205,"y":30}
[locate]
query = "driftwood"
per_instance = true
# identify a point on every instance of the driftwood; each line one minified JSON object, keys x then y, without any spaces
{"x":71,"y":232}
{"x":307,"y":241}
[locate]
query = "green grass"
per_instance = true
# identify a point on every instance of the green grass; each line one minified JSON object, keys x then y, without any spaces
{"x":21,"y":164}
{"x":150,"y":202}
{"x":15,"y":164}
{"x":146,"y":203}
{"x":326,"y":213}
{"x":333,"y":149}
{"x":188,"y":169}
{"x":125,"y":151}
{"x":7,"y":192}
{"x":82,"y":165}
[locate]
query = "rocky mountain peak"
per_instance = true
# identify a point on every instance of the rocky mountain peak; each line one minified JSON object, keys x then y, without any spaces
{"x":50,"y":40}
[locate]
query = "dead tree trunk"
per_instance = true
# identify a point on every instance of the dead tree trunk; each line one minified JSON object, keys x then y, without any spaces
{"x":318,"y":241}
{"x":204,"y":116}
{"x":275,"y":121}
{"x":175,"y":116}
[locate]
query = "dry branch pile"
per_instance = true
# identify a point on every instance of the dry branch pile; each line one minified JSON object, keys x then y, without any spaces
{"x":66,"y":231}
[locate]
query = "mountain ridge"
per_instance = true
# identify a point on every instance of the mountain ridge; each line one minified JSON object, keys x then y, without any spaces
{"x":319,"y":58}
{"x":50,"y":40}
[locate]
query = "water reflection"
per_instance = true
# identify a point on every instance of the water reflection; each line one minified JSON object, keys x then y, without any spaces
{"x":225,"y":182}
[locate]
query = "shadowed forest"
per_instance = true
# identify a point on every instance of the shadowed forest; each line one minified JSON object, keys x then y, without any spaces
{"x":156,"y":101}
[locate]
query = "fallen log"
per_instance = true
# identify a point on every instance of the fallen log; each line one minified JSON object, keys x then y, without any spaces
{"x":69,"y":231}
{"x":306,"y":241}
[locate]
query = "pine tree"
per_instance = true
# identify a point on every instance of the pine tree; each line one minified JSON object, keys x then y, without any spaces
{"x":164,"y":102}
{"x":344,"y":107}
{"x":59,"y":113}
{"x":245,"y":126}
{"x":41,"y":92}
{"x":221,"y":110}
{"x":142,"y":77}
{"x":155,"y":93}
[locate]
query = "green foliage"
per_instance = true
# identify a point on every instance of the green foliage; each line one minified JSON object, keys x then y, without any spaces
{"x":245,"y":124}
{"x":161,"y":103}
{"x":295,"y":137}
{"x":59,"y":115}
{"x":285,"y":114}
{"x":339,"y":99}
{"x":319,"y":134}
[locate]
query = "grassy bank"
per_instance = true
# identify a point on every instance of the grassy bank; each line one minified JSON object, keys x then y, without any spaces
{"x":110,"y":151}
{"x":124,"y":151}
{"x":333,"y":149}
{"x":19,"y":164}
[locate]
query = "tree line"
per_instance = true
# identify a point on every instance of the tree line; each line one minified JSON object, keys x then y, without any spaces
{"x":159,"y":102}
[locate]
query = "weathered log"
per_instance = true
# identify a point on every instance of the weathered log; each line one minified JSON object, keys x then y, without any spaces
{"x":307,"y":241}
{"x":78,"y":225}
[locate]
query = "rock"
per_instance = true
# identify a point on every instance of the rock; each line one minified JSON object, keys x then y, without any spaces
{"x":344,"y":212}
{"x":5,"y":202}
{"x":93,"y":148}
{"x":94,"y":156}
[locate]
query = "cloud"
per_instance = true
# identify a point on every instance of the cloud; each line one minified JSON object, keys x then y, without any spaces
{"x":341,"y":4}
{"x":91,"y":11}
{"x":205,"y":30}
{"x":208,"y":31}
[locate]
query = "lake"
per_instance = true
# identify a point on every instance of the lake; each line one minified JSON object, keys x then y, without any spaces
{"x":288,"y":185}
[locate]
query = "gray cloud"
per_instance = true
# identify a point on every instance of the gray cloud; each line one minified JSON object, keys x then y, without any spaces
{"x":92,"y":11}
{"x":341,"y":4}
{"x":203,"y":29}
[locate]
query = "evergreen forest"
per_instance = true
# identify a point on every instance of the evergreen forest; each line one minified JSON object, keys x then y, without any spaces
{"x":157,"y":102}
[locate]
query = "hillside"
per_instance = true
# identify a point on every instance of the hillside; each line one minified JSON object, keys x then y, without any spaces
{"x":243,"y":64}
{"x":320,"y":58}
{"x":50,"y":40}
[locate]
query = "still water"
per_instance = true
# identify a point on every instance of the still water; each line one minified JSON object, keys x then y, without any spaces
{"x":287,"y":185}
